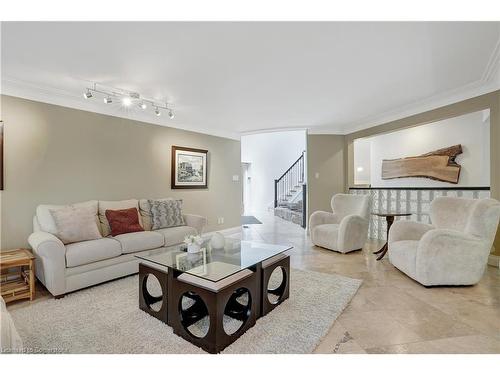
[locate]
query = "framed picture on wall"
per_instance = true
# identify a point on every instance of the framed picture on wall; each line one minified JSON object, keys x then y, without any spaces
{"x":1,"y":155}
{"x":189,"y":168}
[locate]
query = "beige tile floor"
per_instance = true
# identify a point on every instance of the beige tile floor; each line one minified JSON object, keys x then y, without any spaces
{"x":391,"y":313}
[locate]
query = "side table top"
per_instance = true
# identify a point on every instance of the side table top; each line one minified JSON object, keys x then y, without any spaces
{"x":385,"y":214}
{"x":13,"y":257}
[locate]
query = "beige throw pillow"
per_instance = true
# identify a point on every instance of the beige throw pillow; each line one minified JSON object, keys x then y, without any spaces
{"x":75,"y":224}
{"x":46,"y":221}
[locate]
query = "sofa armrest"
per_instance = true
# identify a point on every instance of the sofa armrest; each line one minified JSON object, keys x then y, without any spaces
{"x":196,"y":221}
{"x":322,"y":217}
{"x":450,"y":256}
{"x":353,"y":232}
{"x":50,"y":254}
{"x":402,"y":230}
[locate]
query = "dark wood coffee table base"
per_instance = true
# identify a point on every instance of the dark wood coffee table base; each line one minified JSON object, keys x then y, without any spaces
{"x":212,"y":304}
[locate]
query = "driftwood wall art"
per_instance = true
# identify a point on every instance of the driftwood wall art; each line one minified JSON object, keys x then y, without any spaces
{"x":437,"y":165}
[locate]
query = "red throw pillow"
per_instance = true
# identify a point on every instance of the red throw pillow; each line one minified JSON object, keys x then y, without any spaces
{"x":124,"y":221}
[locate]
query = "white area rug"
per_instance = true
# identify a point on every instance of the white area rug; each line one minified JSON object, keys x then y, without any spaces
{"x":107,"y":319}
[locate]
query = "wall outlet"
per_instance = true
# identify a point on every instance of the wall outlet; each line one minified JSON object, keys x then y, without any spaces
{"x":220,"y":220}
{"x":316,"y":175}
{"x":236,"y":178}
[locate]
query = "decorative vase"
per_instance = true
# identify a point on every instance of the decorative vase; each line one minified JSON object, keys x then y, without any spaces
{"x":193,"y":248}
{"x":217,"y":241}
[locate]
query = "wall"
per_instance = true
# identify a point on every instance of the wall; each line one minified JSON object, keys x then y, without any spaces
{"x":269,"y":156}
{"x":362,"y":161}
{"x":489,"y":101}
{"x":60,"y":155}
{"x":472,"y":131}
{"x":326,"y":161}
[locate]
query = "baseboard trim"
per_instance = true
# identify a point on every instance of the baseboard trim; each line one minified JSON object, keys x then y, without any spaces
{"x":494,"y":260}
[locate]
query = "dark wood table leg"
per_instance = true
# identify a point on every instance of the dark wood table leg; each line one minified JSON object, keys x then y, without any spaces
{"x":383,"y":250}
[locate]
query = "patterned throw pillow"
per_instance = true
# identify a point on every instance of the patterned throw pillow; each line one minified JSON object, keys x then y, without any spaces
{"x":166,"y":213}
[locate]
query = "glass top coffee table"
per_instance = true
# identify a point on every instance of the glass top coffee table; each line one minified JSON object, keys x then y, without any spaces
{"x":215,"y":264}
{"x":199,"y":291}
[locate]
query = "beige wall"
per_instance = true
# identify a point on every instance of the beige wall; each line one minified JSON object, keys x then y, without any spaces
{"x":59,"y":155}
{"x":326,"y":156}
{"x":489,"y":101}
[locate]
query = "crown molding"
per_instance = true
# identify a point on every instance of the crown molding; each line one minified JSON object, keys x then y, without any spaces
{"x":51,"y":95}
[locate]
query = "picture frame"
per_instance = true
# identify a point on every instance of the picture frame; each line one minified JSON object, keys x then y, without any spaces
{"x":189,"y":168}
{"x":194,"y":263}
{"x":1,"y":155}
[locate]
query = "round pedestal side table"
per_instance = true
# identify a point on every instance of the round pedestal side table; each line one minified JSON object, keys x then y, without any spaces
{"x":389,"y":217}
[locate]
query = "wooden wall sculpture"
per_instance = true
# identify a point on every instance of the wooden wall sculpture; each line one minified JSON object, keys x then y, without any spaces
{"x":437,"y":165}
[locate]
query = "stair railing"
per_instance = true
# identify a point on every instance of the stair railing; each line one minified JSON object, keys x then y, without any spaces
{"x":290,"y":181}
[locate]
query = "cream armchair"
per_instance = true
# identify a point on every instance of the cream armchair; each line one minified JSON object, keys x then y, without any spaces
{"x":346,"y":228}
{"x":452,"y":251}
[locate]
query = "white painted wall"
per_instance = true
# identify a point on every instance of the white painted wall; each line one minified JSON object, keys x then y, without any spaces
{"x":472,"y":131}
{"x":362,"y":165}
{"x":269,"y":156}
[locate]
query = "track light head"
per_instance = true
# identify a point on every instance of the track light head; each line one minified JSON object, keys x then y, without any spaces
{"x":157,"y":111}
{"x":126,"y":101}
{"x":108,"y":100}
{"x":142,"y":105}
{"x":170,"y":114}
{"x":87,"y":95}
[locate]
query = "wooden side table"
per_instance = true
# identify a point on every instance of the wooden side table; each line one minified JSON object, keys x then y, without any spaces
{"x":17,"y":270}
{"x":389,"y":217}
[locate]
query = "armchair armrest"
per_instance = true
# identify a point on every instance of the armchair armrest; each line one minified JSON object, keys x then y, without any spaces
{"x":196,"y":221}
{"x":322,"y":217}
{"x":50,"y":254}
{"x":408,"y":230}
{"x":446,"y":256}
{"x":353,"y":233}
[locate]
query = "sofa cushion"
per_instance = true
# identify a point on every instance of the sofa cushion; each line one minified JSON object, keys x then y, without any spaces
{"x":326,"y":235}
{"x":46,"y":220}
{"x":166,"y":213}
{"x":85,"y":252}
{"x":114,"y":205}
{"x":75,"y":224}
{"x":145,"y":212}
{"x":123,"y":221}
{"x":138,"y":241}
{"x":175,"y":235}
{"x":403,"y":256}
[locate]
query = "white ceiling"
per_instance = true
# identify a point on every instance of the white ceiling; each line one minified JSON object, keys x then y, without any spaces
{"x":227,"y":78}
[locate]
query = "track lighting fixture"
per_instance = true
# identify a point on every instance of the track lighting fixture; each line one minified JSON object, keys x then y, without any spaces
{"x":126,"y":98}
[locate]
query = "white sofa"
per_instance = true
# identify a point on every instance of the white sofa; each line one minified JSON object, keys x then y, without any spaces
{"x":66,"y":268}
{"x":346,"y":228}
{"x":452,"y":251}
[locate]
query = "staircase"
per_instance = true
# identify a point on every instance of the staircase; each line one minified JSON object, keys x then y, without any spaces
{"x":290,"y":193}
